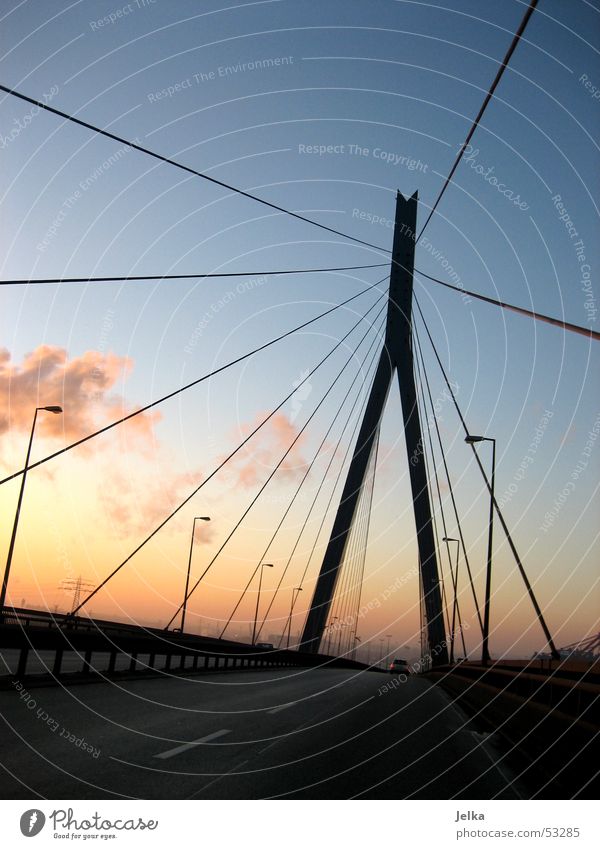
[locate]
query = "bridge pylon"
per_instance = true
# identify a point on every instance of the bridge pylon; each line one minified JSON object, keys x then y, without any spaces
{"x":396,"y":357}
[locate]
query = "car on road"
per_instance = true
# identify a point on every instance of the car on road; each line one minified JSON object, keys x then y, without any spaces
{"x":399,"y":666}
{"x":265,"y":646}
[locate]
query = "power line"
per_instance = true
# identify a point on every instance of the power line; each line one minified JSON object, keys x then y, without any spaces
{"x":130,"y":277}
{"x":186,"y":168}
{"x":216,"y":470}
{"x":557,"y":322}
{"x":188,"y":385}
{"x":488,"y":97}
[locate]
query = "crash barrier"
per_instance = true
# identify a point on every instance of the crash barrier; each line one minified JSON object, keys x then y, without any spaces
{"x":547,"y":717}
{"x":59,"y":645}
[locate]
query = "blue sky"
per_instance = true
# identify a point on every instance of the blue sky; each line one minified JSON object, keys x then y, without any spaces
{"x":372,"y":86}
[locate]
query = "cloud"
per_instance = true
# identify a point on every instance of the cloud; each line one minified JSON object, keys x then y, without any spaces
{"x":136,"y":505}
{"x":262,"y":453}
{"x":135,"y":484}
{"x":82,"y":386}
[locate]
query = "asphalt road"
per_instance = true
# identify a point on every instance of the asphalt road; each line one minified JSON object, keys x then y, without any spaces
{"x":326,"y":734}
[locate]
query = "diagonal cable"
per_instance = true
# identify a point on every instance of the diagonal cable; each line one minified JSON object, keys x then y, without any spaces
{"x":557,"y":322}
{"x":218,"y":468}
{"x":479,"y":116}
{"x":499,"y":513}
{"x":199,"y":276}
{"x":262,"y":557}
{"x":135,"y":146}
{"x":294,"y":441}
{"x":188,"y":385}
{"x":318,"y":492}
{"x":449,"y":481}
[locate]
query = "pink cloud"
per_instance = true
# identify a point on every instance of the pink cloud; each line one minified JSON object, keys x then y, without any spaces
{"x":262,"y":453}
{"x":137,"y":506}
{"x":81,"y":386}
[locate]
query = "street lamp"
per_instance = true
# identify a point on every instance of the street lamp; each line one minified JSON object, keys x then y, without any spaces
{"x":389,"y":637}
{"x":485,"y":654}
{"x":339,"y":648}
{"x":262,"y":565}
{"x":52,"y":409}
{"x":296,"y":590}
{"x":330,"y":627}
{"x":187,"y":580}
{"x":455,"y":587}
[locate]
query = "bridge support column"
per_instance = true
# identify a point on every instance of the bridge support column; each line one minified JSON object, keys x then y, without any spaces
{"x":397,"y":354}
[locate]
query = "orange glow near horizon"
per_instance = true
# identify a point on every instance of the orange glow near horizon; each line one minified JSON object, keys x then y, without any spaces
{"x":84,"y":515}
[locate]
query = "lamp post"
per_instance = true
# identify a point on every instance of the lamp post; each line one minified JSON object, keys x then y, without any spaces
{"x":389,"y":637}
{"x":485,"y":654}
{"x":448,"y":540}
{"x":262,"y":566}
{"x":354,"y":647}
{"x":297,"y":591}
{"x":339,"y":648}
{"x":330,"y":627}
{"x":187,"y":580}
{"x":52,"y":409}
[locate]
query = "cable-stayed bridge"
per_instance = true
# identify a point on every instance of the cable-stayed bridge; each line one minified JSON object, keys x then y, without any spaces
{"x":325,"y":678}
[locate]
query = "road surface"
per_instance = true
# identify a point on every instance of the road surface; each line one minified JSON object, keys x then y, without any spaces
{"x":292,"y":733}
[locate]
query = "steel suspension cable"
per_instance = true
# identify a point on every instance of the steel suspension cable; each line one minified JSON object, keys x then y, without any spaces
{"x":557,"y":322}
{"x":219,"y":467}
{"x":369,"y":513}
{"x":352,"y":567}
{"x":449,"y":482}
{"x":322,"y":483}
{"x":166,"y":159}
{"x":425,"y":420}
{"x":488,"y":97}
{"x":187,"y":386}
{"x":351,"y":442}
{"x":349,"y":564}
{"x":294,"y":441}
{"x":199,"y":276}
{"x":499,"y":513}
{"x":453,"y":576}
{"x":295,"y":495}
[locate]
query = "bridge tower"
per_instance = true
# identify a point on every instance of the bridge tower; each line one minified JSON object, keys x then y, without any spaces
{"x":396,"y":356}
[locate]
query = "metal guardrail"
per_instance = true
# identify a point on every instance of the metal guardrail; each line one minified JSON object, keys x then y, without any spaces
{"x":98,"y":644}
{"x":547,"y":719}
{"x":551,"y":689}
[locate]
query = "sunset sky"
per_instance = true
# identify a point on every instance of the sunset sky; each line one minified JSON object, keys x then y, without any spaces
{"x":386,"y":91}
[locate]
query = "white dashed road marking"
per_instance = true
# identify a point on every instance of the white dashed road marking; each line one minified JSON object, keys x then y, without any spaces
{"x":281,"y":707}
{"x":185,"y":746}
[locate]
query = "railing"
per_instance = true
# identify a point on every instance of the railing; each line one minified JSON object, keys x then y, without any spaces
{"x":98,"y":647}
{"x":576,"y":694}
{"x":544,"y":716}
